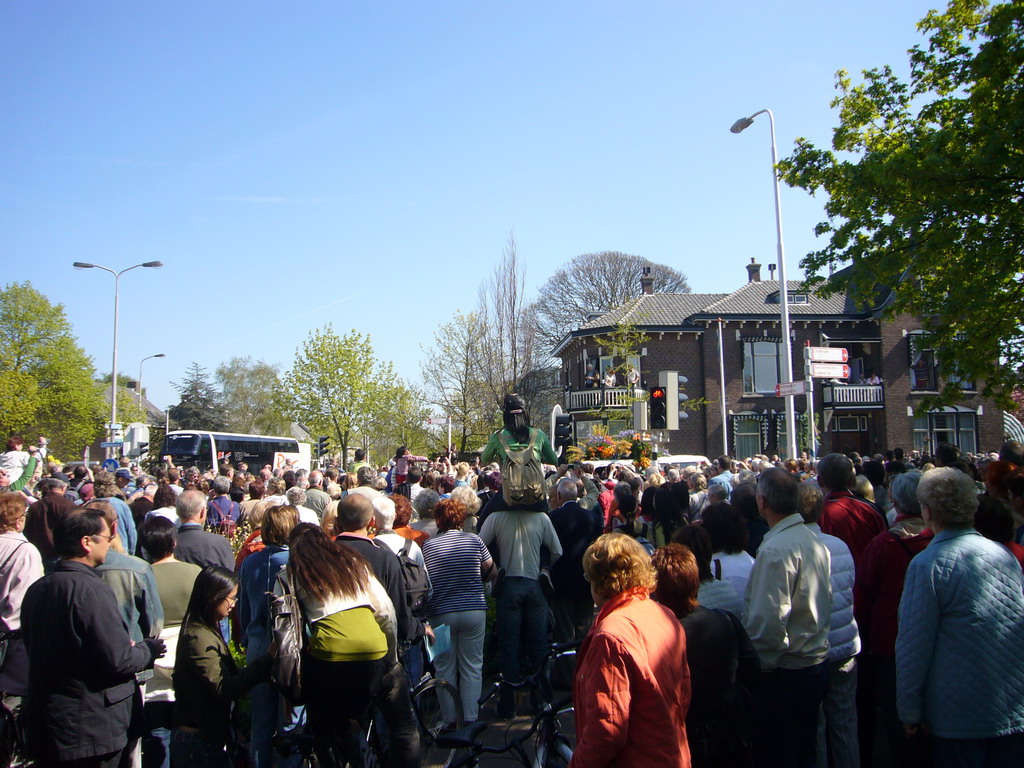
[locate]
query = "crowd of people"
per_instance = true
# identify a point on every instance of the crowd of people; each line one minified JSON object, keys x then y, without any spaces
{"x":828,"y":612}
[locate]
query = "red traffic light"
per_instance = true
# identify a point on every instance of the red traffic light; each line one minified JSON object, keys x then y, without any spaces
{"x":658,"y":393}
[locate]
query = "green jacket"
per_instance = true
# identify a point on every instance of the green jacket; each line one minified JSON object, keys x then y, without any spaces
{"x":542,"y":447}
{"x":207,"y":681}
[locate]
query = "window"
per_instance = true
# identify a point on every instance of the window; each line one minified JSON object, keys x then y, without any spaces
{"x":793,"y":296}
{"x":760,"y":367}
{"x":746,"y":435}
{"x":959,"y":428}
{"x":850,"y":424}
{"x":921,"y":434}
{"x":922,"y":364}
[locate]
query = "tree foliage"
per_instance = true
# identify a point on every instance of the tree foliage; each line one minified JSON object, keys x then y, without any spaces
{"x":47,"y":382}
{"x":453,"y":380}
{"x":200,"y":406}
{"x":249,"y":390}
{"x":336,"y":387}
{"x":924,"y":183}
{"x":595,"y":282}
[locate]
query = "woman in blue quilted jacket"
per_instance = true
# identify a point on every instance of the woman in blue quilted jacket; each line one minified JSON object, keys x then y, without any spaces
{"x":960,"y":647}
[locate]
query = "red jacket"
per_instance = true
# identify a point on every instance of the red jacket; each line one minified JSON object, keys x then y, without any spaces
{"x":879,"y":584}
{"x":854,"y":520}
{"x":632,"y":688}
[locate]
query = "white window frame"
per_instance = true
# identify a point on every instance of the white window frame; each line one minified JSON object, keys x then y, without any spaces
{"x":750,"y":357}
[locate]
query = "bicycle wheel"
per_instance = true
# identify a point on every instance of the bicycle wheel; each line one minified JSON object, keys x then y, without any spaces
{"x":551,"y":748}
{"x":435,"y":701}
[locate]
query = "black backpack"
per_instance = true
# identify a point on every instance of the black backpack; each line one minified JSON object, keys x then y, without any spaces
{"x":417,"y":581}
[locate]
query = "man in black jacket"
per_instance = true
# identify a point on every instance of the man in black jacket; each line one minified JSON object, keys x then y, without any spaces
{"x":354,"y":514}
{"x":572,"y":604}
{"x":82,"y":663}
{"x":195,"y":545}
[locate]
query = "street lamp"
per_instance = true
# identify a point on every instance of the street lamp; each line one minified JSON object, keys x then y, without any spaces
{"x":787,"y":346}
{"x":113,"y":371}
{"x":140,"y":373}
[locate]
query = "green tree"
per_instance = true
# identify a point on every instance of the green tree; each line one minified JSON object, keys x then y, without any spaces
{"x":249,"y":390}
{"x":924,"y":182}
{"x":335,"y":386}
{"x":200,"y":406}
{"x":47,"y":382}
{"x":454,"y":382}
{"x":402,"y":421}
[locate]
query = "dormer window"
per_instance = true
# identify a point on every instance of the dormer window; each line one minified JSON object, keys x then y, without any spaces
{"x":795,"y":297}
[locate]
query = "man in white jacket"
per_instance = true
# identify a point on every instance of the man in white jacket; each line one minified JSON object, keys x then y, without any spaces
{"x":838,"y":718}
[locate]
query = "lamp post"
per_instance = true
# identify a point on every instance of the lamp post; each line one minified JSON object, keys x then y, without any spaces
{"x":787,"y":346}
{"x":113,"y":368}
{"x":140,"y":373}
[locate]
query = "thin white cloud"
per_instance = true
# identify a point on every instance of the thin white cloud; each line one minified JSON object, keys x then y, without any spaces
{"x":268,"y":199}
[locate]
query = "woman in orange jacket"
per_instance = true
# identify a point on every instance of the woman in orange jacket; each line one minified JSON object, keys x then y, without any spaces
{"x":632,"y":686}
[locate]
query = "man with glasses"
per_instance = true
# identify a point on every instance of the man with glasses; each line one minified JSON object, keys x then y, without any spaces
{"x":82,"y":663}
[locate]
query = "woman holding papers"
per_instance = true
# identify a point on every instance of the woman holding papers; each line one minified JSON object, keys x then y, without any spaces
{"x":458,"y":563}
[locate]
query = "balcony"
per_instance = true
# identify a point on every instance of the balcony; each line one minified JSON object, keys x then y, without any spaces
{"x":853,"y":396}
{"x":603,"y":398}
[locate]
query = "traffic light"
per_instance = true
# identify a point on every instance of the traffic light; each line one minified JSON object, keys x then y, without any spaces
{"x":322,"y":448}
{"x":562,"y":438}
{"x":659,"y":405}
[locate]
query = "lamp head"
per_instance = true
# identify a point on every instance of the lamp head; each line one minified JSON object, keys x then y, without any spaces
{"x":742,"y":124}
{"x":160,"y":355}
{"x":153,"y":264}
{"x":82,"y":265}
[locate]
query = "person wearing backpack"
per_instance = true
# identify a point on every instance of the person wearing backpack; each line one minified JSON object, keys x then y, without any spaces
{"x":521,"y":451}
{"x":515,"y":534}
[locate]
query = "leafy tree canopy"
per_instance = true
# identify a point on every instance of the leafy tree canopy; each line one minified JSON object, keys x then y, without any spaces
{"x":200,"y":406}
{"x":924,"y":183}
{"x":336,"y":387}
{"x":47,"y":382}
{"x":249,"y":390}
{"x":596,"y":282}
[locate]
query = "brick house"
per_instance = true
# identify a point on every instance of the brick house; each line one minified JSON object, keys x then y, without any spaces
{"x":689,"y":333}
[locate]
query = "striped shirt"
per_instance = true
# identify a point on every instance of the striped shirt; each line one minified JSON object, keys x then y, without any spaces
{"x":453,"y":562}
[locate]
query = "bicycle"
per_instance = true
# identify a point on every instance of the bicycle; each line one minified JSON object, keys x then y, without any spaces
{"x":551,"y":747}
{"x":12,"y":732}
{"x":438,"y":708}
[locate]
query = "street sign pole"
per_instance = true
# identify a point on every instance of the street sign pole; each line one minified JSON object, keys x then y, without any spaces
{"x":812,"y":436}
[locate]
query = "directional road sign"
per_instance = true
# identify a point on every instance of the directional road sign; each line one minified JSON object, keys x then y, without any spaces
{"x":791,"y":388}
{"x":828,"y":354}
{"x":112,"y":444}
{"x":829,"y":371}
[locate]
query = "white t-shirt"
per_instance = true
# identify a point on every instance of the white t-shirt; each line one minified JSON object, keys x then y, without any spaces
{"x":735,"y":569}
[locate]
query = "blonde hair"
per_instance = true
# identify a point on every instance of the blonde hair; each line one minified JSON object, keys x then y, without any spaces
{"x":655,"y":480}
{"x":863,"y":486}
{"x":330,"y":515}
{"x":615,"y":563}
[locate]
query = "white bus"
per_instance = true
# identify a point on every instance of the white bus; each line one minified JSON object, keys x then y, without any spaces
{"x":208,"y":450}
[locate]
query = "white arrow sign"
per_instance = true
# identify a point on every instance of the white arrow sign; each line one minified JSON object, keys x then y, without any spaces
{"x":828,"y":354}
{"x":829,"y":371}
{"x":791,"y":388}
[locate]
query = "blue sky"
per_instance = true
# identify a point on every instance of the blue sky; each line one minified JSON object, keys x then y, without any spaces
{"x":363,"y":163}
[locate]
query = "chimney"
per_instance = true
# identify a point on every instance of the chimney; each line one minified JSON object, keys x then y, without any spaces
{"x":771,"y":271}
{"x":753,"y":272}
{"x":647,"y":281}
{"x":132,"y":385}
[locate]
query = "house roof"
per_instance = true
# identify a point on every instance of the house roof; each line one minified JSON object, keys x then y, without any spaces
{"x":684,"y":311}
{"x":761,"y":298}
{"x":657,"y":309}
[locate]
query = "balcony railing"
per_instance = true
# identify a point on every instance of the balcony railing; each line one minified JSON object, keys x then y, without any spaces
{"x":603,"y":397}
{"x":854,"y":395}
